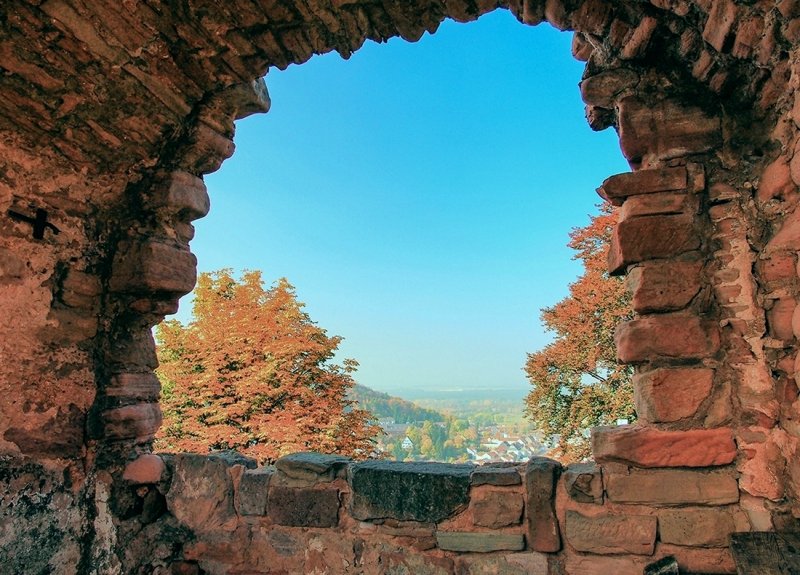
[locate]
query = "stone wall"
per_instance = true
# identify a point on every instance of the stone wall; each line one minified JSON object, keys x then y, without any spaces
{"x":312,"y":513}
{"x":112,"y":112}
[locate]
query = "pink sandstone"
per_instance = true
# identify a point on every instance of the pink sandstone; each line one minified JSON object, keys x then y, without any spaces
{"x":648,"y":447}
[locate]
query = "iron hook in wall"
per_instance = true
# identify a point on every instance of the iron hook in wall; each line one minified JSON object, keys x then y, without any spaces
{"x":39,"y":222}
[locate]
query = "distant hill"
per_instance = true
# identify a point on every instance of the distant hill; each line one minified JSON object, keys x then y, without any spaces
{"x":385,"y":406}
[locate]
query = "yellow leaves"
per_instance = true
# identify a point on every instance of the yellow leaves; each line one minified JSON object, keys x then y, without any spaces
{"x":576,"y":382}
{"x":250,"y":372}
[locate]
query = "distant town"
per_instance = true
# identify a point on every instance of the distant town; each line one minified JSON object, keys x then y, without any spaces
{"x":457,"y":429}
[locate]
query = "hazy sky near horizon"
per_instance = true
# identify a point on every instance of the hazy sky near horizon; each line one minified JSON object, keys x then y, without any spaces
{"x":419,"y":197}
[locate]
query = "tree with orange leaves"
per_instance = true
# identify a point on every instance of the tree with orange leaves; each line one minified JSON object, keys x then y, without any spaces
{"x":576,"y":380}
{"x":252,"y":372}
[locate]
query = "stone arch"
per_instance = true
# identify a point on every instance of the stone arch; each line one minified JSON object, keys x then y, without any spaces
{"x":128,"y":106}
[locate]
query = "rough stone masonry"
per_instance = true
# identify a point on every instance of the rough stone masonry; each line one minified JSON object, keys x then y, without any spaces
{"x":111,"y":113}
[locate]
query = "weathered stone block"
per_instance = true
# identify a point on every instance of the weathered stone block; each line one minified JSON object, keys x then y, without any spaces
{"x":788,"y":236}
{"x":427,"y":492}
{"x":612,"y":534}
{"x":207,"y":151}
{"x":669,"y":487}
{"x":603,"y":88}
{"x":617,"y":188}
{"x":152,"y":266}
{"x":664,"y":203}
{"x":650,"y":237}
{"x":139,"y":421}
{"x":12,"y":267}
{"x":541,"y":476}
{"x":80,"y":290}
{"x":670,"y":394}
{"x":673,"y":336}
{"x":201,"y":493}
{"x":776,"y":181}
{"x":663,"y":286}
{"x":303,"y":507}
{"x":604,"y":565}
{"x":309,"y":466}
{"x":495,"y":475}
{"x":720,"y":23}
{"x":496,"y":509}
{"x":138,"y":386}
{"x":147,"y":468}
{"x":663,"y":130}
{"x":54,"y":435}
{"x":469,"y":542}
{"x":779,"y":318}
{"x":253,"y":491}
{"x":182,"y":193}
{"x":696,"y":527}
{"x":584,"y":482}
{"x":503,"y":563}
{"x":649,"y":447}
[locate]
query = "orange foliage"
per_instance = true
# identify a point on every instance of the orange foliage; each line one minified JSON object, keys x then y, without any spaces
{"x":252,"y":372}
{"x":576,"y":381}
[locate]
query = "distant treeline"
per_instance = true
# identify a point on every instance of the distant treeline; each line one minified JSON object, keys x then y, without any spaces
{"x":384,"y":406}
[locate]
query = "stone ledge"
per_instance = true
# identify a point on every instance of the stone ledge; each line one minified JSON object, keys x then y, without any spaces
{"x":425,"y":492}
{"x":470,"y":542}
{"x":671,"y":487}
{"x":612,"y":534}
{"x":649,"y":447}
{"x":617,"y":188}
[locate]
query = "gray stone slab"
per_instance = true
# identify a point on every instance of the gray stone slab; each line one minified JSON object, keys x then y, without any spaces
{"x":312,"y":466}
{"x":425,"y":492}
{"x":470,"y":542}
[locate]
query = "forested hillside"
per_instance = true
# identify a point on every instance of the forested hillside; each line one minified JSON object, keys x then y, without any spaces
{"x":385,"y":406}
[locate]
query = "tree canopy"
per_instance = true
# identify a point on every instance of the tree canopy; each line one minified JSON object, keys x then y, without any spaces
{"x":252,"y":372}
{"x":576,"y":381}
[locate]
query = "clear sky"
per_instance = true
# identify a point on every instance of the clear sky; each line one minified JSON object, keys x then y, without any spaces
{"x":419,"y":197}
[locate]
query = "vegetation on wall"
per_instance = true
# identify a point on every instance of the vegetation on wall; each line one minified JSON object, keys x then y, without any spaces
{"x":252,"y":372}
{"x":576,"y":381}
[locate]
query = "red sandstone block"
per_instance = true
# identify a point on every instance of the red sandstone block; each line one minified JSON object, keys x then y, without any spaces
{"x":665,"y":395}
{"x":602,"y":89}
{"x":649,"y":447}
{"x":696,"y":527}
{"x":541,"y":475}
{"x":650,"y":237}
{"x":698,"y":560}
{"x":637,"y":44}
{"x":303,"y":507}
{"x":671,"y":487}
{"x":139,"y":386}
{"x":592,"y":17}
{"x":788,"y":236}
{"x":496,"y":509}
{"x":147,"y":468}
{"x":153,"y":266}
{"x":183,"y":194}
{"x":673,"y":336}
{"x":658,"y":204}
{"x":611,"y":534}
{"x":778,"y":267}
{"x":138,"y":421}
{"x":207,"y":151}
{"x":664,"y":130}
{"x":779,"y":319}
{"x":719,"y":24}
{"x":663,"y":286}
{"x":776,"y":181}
{"x":620,"y":186}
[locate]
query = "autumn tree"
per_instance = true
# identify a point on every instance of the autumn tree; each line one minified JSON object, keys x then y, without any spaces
{"x":576,"y":380}
{"x":252,"y":372}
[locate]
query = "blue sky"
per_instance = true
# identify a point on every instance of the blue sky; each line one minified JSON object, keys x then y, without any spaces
{"x":419,"y":197}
